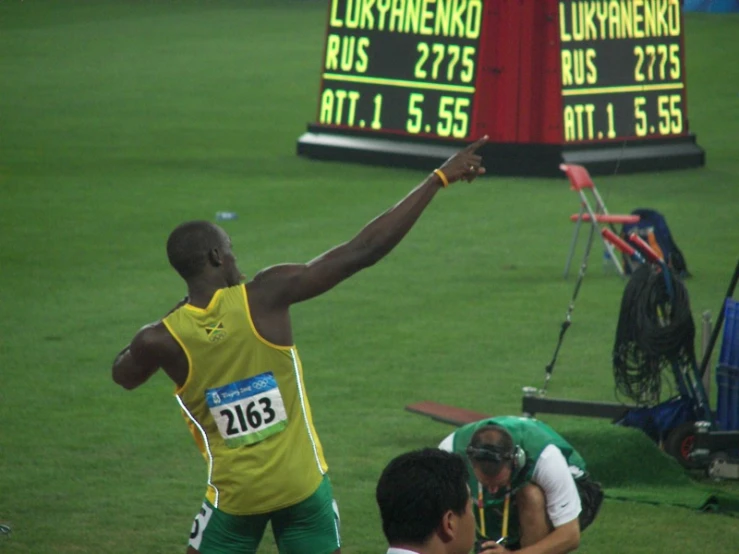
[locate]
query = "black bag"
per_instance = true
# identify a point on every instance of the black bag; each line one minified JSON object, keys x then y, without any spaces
{"x":591,"y":497}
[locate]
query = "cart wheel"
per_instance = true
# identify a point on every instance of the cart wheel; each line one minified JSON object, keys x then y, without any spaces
{"x":679,"y":445}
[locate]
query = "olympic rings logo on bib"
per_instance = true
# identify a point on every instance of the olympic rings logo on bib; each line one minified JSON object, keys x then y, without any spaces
{"x":261,"y":384}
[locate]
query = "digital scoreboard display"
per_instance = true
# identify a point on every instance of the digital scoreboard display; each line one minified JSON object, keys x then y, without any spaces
{"x":622,"y":69}
{"x":555,"y":80}
{"x":401,"y":66}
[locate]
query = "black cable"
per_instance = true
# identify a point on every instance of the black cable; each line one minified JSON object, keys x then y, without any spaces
{"x":655,"y":333}
{"x":568,"y":316}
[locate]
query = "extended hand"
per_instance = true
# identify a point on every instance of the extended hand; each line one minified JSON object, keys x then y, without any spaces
{"x":492,"y":547}
{"x":465,"y":164}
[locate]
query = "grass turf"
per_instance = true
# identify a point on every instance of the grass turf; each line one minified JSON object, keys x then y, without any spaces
{"x":120,"y":119}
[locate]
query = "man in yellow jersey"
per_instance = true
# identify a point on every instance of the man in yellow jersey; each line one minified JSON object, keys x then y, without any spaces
{"x":229,"y":349}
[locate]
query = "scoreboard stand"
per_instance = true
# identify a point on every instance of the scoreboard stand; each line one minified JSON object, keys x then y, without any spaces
{"x":599,"y":84}
{"x":419,"y":153}
{"x":512,"y":159}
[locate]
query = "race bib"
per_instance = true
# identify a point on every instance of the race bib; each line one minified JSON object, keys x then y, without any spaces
{"x":248,"y":411}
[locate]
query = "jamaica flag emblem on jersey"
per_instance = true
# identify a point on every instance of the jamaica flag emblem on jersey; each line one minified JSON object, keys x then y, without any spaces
{"x":215,"y":332}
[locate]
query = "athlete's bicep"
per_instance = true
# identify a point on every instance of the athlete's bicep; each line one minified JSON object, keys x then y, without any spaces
{"x":287,"y":284}
{"x":137,"y":362}
{"x":145,"y":348}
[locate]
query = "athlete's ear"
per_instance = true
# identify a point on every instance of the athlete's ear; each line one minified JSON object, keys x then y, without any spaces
{"x":214,"y":257}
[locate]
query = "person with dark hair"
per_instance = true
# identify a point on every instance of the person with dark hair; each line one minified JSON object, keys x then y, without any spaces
{"x":425,"y":504}
{"x":229,"y":349}
{"x":534,"y":493}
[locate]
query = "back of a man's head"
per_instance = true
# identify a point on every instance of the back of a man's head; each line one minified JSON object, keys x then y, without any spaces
{"x":490,"y":448}
{"x":189,"y":244}
{"x":416,"y":489}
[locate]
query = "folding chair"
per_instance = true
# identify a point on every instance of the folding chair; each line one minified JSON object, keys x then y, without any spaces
{"x":580,"y":182}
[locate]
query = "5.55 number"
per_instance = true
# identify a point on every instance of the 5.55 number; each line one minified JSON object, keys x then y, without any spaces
{"x":669,"y":111}
{"x":452,"y":118}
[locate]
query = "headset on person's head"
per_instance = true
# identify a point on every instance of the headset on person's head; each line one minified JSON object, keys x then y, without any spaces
{"x":496,"y":454}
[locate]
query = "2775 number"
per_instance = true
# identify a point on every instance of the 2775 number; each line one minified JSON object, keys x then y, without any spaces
{"x":647,"y":57}
{"x":445,"y":57}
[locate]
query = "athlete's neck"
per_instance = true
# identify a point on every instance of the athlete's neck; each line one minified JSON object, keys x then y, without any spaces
{"x":201,"y":291}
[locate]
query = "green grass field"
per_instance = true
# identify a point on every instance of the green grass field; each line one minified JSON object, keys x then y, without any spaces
{"x":120,"y":119}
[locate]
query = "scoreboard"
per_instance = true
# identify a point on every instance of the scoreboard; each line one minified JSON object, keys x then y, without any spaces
{"x":622,"y":67}
{"x":597,"y":82}
{"x":409,"y":70}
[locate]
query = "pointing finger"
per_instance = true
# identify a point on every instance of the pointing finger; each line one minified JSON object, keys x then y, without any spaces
{"x":477,"y":144}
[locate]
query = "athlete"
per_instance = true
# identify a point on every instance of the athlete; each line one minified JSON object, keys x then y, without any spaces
{"x":228,"y":348}
{"x":533,"y":491}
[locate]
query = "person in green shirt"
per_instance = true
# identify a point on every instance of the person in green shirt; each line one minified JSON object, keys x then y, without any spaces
{"x":534,"y":493}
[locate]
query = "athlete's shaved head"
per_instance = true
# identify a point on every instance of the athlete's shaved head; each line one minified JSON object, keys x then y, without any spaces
{"x":189,"y":245}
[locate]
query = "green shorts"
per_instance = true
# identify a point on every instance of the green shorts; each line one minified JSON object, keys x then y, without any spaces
{"x":308,"y":527}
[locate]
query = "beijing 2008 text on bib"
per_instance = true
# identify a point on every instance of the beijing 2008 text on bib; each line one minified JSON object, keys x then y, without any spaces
{"x":248,"y":411}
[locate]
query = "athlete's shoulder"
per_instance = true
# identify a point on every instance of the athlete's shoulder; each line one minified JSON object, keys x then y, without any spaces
{"x":151,"y":334}
{"x":154,"y":342}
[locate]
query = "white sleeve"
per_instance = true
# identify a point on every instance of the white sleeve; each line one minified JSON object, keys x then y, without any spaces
{"x":555,"y":478}
{"x":447,"y":444}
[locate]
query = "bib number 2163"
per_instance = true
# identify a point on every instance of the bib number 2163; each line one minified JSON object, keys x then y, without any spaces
{"x":255,"y":414}
{"x":248,"y":411}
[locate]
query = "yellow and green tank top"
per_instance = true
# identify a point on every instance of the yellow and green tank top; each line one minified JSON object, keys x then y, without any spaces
{"x":245,"y":403}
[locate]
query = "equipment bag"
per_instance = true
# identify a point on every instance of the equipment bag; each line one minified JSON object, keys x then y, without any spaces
{"x":652,"y":227}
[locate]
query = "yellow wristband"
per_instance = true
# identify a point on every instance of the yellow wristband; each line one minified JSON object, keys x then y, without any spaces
{"x":444,"y":180}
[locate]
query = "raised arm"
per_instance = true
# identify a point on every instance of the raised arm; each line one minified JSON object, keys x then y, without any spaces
{"x":282,"y":285}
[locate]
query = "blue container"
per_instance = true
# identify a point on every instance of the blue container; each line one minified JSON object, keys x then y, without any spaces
{"x":727,"y":372}
{"x":729,"y":356}
{"x":727,"y":410}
